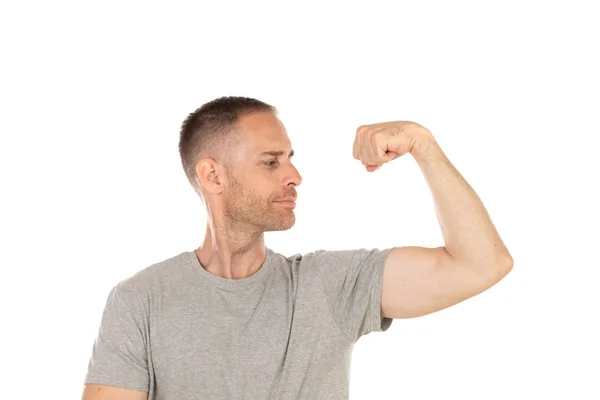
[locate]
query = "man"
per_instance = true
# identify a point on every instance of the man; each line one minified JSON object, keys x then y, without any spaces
{"x":234,"y":319}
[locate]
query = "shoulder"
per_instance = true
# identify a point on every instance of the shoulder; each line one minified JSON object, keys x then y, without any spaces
{"x":324,"y":258}
{"x":335,"y":263}
{"x":157,"y":276}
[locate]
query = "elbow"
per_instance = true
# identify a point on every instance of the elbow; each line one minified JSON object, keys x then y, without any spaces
{"x":508,"y":262}
{"x":504,"y":267}
{"x":495,"y":271}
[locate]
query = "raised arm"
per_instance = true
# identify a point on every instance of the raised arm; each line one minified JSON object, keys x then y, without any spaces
{"x":420,"y":280}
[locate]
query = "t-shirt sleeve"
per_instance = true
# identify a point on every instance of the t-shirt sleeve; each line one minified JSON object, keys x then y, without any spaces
{"x":353,"y":281}
{"x":119,"y":356}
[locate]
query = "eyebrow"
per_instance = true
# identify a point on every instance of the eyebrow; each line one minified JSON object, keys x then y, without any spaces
{"x":276,"y":153}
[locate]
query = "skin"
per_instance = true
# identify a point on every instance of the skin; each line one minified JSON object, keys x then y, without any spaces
{"x":241,"y":203}
{"x":421,"y":280}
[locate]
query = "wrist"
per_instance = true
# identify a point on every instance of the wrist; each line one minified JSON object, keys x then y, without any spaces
{"x":424,"y":142}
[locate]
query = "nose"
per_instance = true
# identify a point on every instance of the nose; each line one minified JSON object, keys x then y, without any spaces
{"x":294,"y":177}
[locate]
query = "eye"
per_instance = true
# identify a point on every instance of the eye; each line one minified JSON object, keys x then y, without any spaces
{"x":271,"y":163}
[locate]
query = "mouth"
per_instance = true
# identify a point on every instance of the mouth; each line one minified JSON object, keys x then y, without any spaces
{"x":288,"y":203}
{"x":288,"y":198}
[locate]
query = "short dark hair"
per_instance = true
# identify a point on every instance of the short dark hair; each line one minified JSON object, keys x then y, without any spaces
{"x":210,"y":132}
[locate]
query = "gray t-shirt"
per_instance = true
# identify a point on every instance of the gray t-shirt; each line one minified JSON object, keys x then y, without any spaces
{"x":179,"y":332}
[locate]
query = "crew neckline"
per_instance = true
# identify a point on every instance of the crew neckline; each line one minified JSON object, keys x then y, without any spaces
{"x":226,"y":282}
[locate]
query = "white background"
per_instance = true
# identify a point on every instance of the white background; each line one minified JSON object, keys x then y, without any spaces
{"x":92,"y":98}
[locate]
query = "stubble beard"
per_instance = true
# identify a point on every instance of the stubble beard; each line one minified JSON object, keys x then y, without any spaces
{"x":246,"y":207}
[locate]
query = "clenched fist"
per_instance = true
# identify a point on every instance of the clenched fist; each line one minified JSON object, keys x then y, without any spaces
{"x":377,"y":144}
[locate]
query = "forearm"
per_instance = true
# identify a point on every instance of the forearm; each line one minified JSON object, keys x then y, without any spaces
{"x":468,"y":231}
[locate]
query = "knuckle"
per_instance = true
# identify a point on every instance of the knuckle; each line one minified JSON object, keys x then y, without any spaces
{"x":361,"y":130}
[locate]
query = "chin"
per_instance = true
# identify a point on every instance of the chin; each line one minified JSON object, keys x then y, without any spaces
{"x":280,"y":227}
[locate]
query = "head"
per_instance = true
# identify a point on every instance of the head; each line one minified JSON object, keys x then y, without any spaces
{"x":237,"y":155}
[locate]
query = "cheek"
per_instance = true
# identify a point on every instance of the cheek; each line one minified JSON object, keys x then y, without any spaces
{"x":256,"y":183}
{"x":261,"y":189}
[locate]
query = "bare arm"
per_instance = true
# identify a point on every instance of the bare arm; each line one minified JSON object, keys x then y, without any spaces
{"x":419,"y":280}
{"x":469,"y":235}
{"x":103,"y":392}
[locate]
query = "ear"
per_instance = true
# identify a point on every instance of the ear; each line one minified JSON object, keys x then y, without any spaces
{"x":209,"y":175}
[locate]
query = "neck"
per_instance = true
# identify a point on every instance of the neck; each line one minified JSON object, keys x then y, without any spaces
{"x":231,"y":252}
